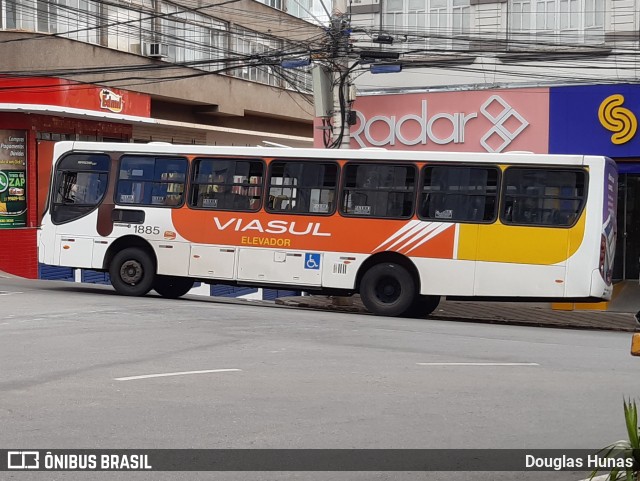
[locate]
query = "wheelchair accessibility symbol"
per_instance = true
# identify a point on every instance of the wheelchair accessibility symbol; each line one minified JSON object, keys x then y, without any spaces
{"x":311,"y":261}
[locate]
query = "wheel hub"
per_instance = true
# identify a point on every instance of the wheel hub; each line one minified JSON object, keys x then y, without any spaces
{"x":388,"y":290}
{"x":131,"y":272}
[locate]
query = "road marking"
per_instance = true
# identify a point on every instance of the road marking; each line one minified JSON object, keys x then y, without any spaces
{"x":168,"y":374}
{"x":8,"y":293}
{"x":477,"y":364}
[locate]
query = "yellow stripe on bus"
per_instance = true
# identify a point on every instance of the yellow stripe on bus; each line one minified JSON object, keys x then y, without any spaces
{"x":520,"y":244}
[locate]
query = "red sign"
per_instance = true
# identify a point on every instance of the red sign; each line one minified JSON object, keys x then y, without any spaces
{"x":64,"y":93}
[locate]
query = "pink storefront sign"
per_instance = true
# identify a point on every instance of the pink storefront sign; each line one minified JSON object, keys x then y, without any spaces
{"x":473,"y":121}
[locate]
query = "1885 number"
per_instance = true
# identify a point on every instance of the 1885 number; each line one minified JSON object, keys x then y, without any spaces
{"x":146,"y":229}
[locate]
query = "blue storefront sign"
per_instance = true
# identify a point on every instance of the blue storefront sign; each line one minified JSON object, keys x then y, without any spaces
{"x":595,"y":119}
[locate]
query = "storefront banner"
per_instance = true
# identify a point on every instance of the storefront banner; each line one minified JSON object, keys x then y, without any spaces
{"x":13,"y":179}
{"x":473,"y":121}
{"x":597,"y":119}
{"x":65,"y":93}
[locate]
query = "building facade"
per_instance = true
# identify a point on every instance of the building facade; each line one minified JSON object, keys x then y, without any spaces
{"x":488,"y":43}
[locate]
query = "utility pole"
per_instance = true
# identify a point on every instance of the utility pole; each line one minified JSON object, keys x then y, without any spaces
{"x":341,"y":138}
{"x":340,"y":32}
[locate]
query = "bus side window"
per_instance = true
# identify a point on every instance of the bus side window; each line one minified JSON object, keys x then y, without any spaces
{"x":226,"y":184}
{"x":302,"y":187}
{"x":542,"y":196}
{"x":151,"y":180}
{"x":528,"y":212}
{"x":378,"y":190}
{"x":453,"y":193}
{"x":508,"y":210}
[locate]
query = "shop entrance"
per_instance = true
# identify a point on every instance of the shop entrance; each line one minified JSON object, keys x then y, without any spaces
{"x":627,"y":261}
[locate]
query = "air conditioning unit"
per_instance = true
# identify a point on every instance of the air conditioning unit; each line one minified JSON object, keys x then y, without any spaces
{"x":156,"y":49}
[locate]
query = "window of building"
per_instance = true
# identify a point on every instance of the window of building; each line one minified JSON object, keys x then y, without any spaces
{"x":125,"y":25}
{"x":542,"y":197}
{"x":378,"y":190}
{"x":459,"y":194}
{"x":437,"y":22}
{"x":256,"y":48}
{"x":394,"y":14}
{"x":299,"y":8}
{"x":557,"y":21}
{"x":273,"y":3}
{"x":54,"y":136}
{"x":32,"y":15}
{"x":79,"y":20}
{"x":145,"y":180}
{"x":176,"y":33}
{"x":302,"y":187}
{"x":227,"y":184}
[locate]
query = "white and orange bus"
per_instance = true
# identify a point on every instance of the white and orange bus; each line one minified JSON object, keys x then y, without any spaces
{"x":399,"y":228}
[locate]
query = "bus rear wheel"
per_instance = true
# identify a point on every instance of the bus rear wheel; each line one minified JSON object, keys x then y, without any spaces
{"x":132,"y":272}
{"x":422,"y":306}
{"x":387,"y":289}
{"x":172,"y":287}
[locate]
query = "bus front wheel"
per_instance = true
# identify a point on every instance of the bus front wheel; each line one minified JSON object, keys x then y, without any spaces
{"x":132,"y":272}
{"x":172,"y":287}
{"x":387,"y":289}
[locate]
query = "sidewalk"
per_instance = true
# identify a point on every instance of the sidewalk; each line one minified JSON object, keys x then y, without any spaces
{"x":512,"y":313}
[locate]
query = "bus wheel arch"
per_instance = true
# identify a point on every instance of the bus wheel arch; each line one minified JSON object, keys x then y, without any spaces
{"x":388,"y":283}
{"x":131,"y":264}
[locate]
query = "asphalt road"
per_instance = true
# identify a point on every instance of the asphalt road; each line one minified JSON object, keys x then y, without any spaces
{"x":296,"y":379}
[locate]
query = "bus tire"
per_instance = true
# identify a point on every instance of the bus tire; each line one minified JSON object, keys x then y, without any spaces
{"x":422,"y":306}
{"x":387,"y":289}
{"x":132,"y":272}
{"x":172,"y":287}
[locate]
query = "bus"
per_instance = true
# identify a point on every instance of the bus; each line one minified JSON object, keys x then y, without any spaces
{"x":399,"y":228}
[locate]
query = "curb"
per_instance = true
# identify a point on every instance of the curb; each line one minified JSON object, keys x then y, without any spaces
{"x":498,"y":318}
{"x":325,"y":307}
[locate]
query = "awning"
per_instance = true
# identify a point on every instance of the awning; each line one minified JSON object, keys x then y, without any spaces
{"x":132,"y":119}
